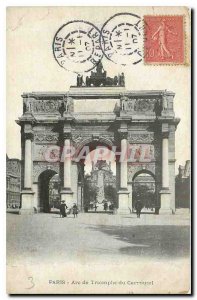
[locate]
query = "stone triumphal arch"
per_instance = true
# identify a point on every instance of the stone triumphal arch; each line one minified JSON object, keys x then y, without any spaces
{"x":98,"y":115}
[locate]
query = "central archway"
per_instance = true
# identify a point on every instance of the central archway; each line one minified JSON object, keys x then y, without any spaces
{"x":43,"y":184}
{"x":99,"y":177}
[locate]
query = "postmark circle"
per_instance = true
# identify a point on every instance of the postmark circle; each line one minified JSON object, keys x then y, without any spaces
{"x":76,"y":46}
{"x":122,"y":39}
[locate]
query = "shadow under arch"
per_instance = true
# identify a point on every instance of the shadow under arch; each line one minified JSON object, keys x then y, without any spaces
{"x":43,"y":185}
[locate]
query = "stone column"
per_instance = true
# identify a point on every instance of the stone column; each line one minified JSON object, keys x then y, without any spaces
{"x":82,"y":187}
{"x":165,"y":166}
{"x":123,"y":193}
{"x":67,"y":164}
{"x":74,"y":181}
{"x":66,"y":192}
{"x":123,"y":164}
{"x":165,"y":192}
{"x":28,"y":163}
{"x":27,"y":205}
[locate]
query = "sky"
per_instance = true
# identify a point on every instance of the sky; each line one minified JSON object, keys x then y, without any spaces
{"x":32,"y":67}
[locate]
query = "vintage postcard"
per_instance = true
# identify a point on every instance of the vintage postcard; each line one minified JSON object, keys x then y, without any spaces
{"x":98,"y":150}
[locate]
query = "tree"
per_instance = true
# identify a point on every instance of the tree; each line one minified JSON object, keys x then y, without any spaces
{"x":143,"y":193}
{"x":89,"y":194}
{"x":111,"y":195}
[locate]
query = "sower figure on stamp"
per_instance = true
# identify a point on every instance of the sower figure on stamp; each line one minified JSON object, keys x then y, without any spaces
{"x":162,"y":32}
{"x":75,"y":210}
{"x":63,"y":208}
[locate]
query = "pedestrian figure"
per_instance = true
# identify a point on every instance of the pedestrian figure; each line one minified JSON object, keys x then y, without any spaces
{"x":105,"y":206}
{"x":63,"y":208}
{"x":138,"y":207}
{"x":75,"y":210}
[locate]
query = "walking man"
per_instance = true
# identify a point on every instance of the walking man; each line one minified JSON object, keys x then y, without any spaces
{"x":63,"y":208}
{"x":138,"y":207}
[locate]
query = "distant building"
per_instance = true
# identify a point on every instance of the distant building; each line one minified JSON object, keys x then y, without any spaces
{"x":182,"y":186}
{"x":13,"y":182}
{"x":102,"y":179}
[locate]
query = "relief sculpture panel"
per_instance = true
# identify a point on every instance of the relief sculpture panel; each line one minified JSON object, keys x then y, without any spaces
{"x":43,"y":106}
{"x":141,"y":105}
{"x":141,"y":153}
{"x":54,"y":106}
{"x":140,"y":137}
{"x":47,"y":153}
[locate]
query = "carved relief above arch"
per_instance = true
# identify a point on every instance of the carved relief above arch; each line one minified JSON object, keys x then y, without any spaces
{"x":80,"y":140}
{"x":46,"y":137}
{"x":135,"y":168}
{"x":39,"y":167}
{"x":144,"y":138}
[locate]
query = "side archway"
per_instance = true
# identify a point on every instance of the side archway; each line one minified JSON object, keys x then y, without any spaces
{"x":144,"y":189}
{"x":43,"y":190}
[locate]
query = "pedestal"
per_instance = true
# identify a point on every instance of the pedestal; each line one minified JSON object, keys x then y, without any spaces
{"x":165,"y":202}
{"x":67,"y":196}
{"x":123,"y":201}
{"x":27,"y":202}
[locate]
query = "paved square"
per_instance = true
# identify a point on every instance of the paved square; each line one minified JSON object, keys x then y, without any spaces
{"x":47,"y":238}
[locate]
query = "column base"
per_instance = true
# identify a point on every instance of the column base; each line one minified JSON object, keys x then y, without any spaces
{"x":165,"y":202}
{"x":27,"y":202}
{"x":67,"y":196}
{"x":123,"y":201}
{"x":39,"y":209}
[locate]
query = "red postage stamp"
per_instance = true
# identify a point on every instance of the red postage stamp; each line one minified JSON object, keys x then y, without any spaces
{"x":164,"y":41}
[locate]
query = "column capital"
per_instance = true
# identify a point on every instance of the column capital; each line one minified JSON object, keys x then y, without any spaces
{"x":165,"y":134}
{"x":67,"y":135}
{"x":123,"y":134}
{"x":29,"y":136}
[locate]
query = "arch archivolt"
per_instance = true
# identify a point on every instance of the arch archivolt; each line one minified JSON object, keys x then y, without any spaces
{"x":40,"y":167}
{"x":137,"y":168}
{"x":79,"y":141}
